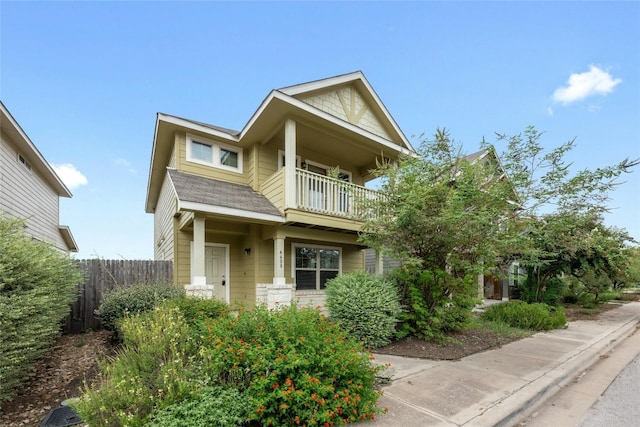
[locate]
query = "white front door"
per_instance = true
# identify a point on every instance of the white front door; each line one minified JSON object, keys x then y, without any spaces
{"x":216,"y":270}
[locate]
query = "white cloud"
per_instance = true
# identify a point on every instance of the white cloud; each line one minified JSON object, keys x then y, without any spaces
{"x":71,"y":176}
{"x":582,"y":85}
{"x":127,"y":165}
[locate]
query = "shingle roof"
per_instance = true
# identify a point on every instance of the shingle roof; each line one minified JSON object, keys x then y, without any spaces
{"x":231,"y":132}
{"x":208,"y":191}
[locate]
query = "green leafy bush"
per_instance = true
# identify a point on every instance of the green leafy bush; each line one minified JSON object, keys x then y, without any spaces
{"x":122,"y":301}
{"x":435,"y":302}
{"x":519,"y":314}
{"x":152,"y":371}
{"x":215,"y":407}
{"x":197,"y":310}
{"x":548,"y":292}
{"x":37,"y":285}
{"x":294,"y":365}
{"x":366,"y":306}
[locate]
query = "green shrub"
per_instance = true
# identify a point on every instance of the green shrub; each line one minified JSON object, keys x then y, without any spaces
{"x":197,"y":310}
{"x":435,"y":302}
{"x":294,"y":365}
{"x":214,"y":407}
{"x":152,"y":371}
{"x":549,"y":292}
{"x":37,"y":285}
{"x":122,"y":301}
{"x":366,"y":306}
{"x":519,"y":314}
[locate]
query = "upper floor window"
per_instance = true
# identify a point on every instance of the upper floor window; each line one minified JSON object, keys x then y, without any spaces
{"x":212,"y":153}
{"x":24,"y":161}
{"x":282,"y":161}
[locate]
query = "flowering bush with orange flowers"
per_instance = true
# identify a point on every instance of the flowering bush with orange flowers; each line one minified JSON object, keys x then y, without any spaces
{"x":296,"y":366}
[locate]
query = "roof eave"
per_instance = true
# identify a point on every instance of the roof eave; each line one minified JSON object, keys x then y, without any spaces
{"x":25,"y":143}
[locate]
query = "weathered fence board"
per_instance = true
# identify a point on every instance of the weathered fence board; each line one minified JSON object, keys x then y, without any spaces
{"x":102,"y":276}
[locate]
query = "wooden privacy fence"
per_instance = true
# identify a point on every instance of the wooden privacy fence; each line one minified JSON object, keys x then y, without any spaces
{"x":104,"y":275}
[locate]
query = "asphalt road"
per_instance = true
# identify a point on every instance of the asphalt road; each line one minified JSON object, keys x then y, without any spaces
{"x":605,"y":395}
{"x":619,"y":406}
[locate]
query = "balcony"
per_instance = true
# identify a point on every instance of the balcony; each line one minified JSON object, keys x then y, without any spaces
{"x":322,"y":195}
{"x":330,"y":196}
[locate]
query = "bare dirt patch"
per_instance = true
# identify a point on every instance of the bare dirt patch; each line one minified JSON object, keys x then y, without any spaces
{"x":59,"y":376}
{"x":457,"y":345}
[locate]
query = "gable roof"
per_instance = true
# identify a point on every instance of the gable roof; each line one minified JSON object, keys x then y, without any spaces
{"x":361,"y":84}
{"x":219,"y":197}
{"x":27,"y":148}
{"x":279,"y":105}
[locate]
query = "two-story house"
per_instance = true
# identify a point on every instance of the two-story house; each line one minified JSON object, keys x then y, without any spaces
{"x":30,"y":188}
{"x":271,"y":212}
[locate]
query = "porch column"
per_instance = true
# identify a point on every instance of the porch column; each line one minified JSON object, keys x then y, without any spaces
{"x":199,"y":287}
{"x":379,"y":267}
{"x":278,"y":261}
{"x":481,"y":287}
{"x":290,"y":163}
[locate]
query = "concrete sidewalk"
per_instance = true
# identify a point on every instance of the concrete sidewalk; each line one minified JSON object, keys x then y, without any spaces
{"x":496,"y":387}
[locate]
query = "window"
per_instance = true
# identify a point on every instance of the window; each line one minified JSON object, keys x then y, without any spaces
{"x":282,"y":162}
{"x":313,"y":266}
{"x":210,"y":153}
{"x":201,"y":151}
{"x":228,"y":158}
{"x":24,"y":162}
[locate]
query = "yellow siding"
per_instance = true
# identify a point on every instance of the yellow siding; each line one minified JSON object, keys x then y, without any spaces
{"x":204,"y":170}
{"x":268,"y":156}
{"x":182,"y":260}
{"x":352,"y":259}
{"x":163,"y":234}
{"x":265,"y":262}
{"x":273,"y":189}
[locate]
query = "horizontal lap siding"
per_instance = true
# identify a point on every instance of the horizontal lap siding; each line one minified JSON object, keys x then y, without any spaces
{"x":26,"y":194}
{"x":163,"y":234}
{"x":204,"y":170}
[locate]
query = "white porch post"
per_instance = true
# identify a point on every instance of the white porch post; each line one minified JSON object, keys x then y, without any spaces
{"x":278,"y":261}
{"x":290,"y":163}
{"x":199,"y":287}
{"x":278,"y":294}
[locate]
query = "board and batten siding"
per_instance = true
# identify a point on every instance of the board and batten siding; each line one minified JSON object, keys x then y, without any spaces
{"x":24,"y":193}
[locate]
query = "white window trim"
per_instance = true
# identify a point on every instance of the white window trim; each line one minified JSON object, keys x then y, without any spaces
{"x":281,"y":160}
{"x":215,"y":153}
{"x":293,"y":263}
{"x":323,"y":166}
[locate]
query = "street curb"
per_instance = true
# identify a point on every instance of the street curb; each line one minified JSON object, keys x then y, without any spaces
{"x":534,"y":394}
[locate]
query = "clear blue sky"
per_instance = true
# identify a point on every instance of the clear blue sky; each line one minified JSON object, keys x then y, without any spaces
{"x":85,"y":80}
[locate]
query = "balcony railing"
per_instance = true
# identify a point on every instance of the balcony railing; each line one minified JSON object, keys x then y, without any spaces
{"x":330,"y":196}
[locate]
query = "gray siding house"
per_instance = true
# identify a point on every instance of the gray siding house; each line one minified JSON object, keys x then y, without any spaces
{"x":30,"y":188}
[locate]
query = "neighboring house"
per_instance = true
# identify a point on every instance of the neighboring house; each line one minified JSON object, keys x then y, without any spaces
{"x":270,"y":213}
{"x":30,"y":188}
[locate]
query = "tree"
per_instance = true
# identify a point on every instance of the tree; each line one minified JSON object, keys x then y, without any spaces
{"x":442,"y":215}
{"x":561,"y":214}
{"x":448,"y":216}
